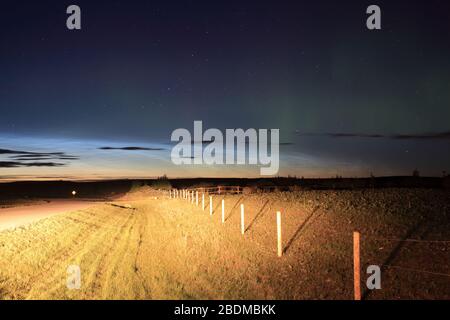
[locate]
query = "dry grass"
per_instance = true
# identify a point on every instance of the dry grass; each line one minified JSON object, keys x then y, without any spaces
{"x":150,"y":247}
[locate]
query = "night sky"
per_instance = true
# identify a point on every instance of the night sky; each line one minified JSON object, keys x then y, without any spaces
{"x":101,"y":102}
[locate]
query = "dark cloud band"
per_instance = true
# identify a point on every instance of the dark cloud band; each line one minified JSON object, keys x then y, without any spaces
{"x":22,"y":159}
{"x":424,"y":136}
{"x":18,"y":164}
{"x":131,"y":148}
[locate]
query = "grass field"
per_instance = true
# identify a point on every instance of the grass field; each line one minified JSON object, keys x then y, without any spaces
{"x":147,"y":246}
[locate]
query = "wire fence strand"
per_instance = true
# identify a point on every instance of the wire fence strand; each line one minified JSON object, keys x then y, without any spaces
{"x":416,"y":270}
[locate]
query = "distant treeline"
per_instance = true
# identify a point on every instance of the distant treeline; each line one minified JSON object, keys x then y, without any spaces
{"x":63,"y":189}
{"x":316,"y":183}
{"x":108,"y":189}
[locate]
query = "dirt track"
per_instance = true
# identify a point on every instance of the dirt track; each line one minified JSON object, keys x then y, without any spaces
{"x":18,"y":216}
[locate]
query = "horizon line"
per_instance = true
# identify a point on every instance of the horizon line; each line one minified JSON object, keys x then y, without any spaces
{"x":211,"y":178}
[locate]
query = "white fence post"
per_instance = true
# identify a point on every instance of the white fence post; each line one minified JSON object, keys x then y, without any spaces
{"x":242,"y":219}
{"x":223,"y":210}
{"x":279,"y":243}
{"x":203,"y":201}
{"x":196,"y":198}
{"x":210,"y":205}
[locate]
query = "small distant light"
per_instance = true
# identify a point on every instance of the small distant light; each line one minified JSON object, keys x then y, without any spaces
{"x":74,"y":192}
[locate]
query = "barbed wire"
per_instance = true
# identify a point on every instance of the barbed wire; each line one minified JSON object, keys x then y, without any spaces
{"x":390,"y":239}
{"x":407,"y":240}
{"x":416,"y":270}
{"x":375,"y":238}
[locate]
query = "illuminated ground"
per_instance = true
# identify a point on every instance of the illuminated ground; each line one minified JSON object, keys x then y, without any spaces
{"x":149,"y":247}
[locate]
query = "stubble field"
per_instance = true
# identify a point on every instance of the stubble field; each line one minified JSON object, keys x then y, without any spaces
{"x":147,"y":246}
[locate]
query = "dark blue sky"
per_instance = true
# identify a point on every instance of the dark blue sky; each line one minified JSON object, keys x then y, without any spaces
{"x":140,"y":69}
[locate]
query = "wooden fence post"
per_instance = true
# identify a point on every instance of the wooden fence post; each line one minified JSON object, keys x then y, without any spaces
{"x":223,"y":210}
{"x":279,"y":242}
{"x":210,"y":205}
{"x":356,"y":265}
{"x":242,"y":219}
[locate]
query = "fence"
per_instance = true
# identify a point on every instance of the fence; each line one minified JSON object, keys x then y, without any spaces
{"x":188,"y":194}
{"x":237,"y":189}
{"x":219,"y":190}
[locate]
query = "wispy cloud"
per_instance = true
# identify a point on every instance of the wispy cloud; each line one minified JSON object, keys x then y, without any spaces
{"x":439,"y":135}
{"x":423,"y":136}
{"x":131,"y":148}
{"x":18,"y":164}
{"x":20,"y":158}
